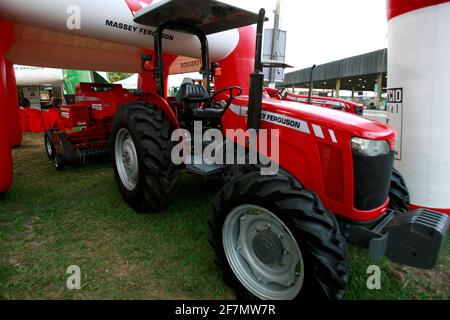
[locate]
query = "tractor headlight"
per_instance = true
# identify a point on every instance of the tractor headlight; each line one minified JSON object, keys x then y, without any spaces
{"x":370,"y":148}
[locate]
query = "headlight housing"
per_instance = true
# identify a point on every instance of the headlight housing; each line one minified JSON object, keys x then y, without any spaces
{"x":370,"y":148}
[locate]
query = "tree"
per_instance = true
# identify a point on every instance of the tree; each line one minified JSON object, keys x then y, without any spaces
{"x":117,"y":76}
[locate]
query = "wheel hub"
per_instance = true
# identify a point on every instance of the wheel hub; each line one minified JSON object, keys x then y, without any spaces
{"x":126,"y":159}
{"x":268,"y":248}
{"x":49,"y":146}
{"x":263,"y":253}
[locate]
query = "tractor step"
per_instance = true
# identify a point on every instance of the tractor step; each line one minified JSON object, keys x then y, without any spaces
{"x":198,"y":167}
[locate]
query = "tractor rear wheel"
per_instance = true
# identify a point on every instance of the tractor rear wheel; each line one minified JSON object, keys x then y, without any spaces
{"x":49,"y":146}
{"x":399,"y":193}
{"x":142,"y":147}
{"x":58,"y":162}
{"x":274,"y":240}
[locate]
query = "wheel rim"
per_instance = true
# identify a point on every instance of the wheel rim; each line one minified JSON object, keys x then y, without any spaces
{"x":58,"y":162}
{"x":263,"y":253}
{"x":48,"y":146}
{"x":126,"y":159}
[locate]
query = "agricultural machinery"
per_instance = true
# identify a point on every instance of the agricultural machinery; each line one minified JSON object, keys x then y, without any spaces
{"x":84,"y":128}
{"x":280,"y":236}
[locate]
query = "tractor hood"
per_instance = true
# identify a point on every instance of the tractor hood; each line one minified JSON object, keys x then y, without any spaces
{"x":347,"y":123}
{"x":351,"y":124}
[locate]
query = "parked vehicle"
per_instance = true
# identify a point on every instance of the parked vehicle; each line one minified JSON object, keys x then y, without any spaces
{"x":327,"y":102}
{"x":84,"y":128}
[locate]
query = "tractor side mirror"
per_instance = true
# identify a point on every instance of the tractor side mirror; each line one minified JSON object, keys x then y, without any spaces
{"x":147,"y":63}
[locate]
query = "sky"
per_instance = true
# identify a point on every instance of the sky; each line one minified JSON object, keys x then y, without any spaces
{"x":321,"y":31}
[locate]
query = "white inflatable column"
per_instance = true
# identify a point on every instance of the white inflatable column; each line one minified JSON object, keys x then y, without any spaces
{"x":418,"y":95}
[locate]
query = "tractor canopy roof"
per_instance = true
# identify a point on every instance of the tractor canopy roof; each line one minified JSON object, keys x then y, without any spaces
{"x":210,"y":16}
{"x":275,"y":64}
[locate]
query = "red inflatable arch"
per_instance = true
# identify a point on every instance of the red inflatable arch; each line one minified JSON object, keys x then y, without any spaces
{"x":6,"y":172}
{"x":239,"y":62}
{"x":15,"y":129}
{"x":146,"y":82}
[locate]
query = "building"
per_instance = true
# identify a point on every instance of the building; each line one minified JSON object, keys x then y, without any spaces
{"x":357,"y":74}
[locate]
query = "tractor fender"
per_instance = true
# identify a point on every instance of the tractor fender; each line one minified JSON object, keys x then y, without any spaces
{"x":161,"y":104}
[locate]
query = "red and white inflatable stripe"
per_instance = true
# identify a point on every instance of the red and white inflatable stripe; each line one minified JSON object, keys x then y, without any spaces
{"x":136,"y":5}
{"x":398,"y":7}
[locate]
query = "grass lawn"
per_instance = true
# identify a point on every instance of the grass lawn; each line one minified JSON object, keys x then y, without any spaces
{"x":51,"y":220}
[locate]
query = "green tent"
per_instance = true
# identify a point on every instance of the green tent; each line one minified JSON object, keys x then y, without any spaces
{"x":72,"y":77}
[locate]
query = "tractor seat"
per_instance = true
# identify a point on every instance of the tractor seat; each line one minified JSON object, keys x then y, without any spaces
{"x":207,"y":113}
{"x":192,"y":93}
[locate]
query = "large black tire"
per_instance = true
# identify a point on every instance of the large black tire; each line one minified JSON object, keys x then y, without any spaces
{"x":151,"y":133}
{"x":232,"y":172}
{"x":58,"y":162}
{"x":49,"y":147}
{"x":399,"y":193}
{"x":315,"y":229}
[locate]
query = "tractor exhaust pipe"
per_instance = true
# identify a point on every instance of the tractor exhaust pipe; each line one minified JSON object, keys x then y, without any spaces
{"x":257,"y":78}
{"x":311,"y":83}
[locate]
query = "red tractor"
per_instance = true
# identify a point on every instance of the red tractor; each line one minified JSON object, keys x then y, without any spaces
{"x":326,"y":102}
{"x":280,"y":236}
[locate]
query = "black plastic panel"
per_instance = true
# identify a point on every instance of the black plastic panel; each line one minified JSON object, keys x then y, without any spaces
{"x":372,"y":180}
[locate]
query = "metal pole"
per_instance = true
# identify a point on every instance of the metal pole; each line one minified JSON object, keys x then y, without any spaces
{"x":379,"y":90}
{"x":275,"y":40}
{"x":338,"y":87}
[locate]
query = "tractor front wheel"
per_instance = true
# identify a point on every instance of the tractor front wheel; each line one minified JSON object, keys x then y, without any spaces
{"x":58,"y":163}
{"x":399,"y":193}
{"x":274,"y":240}
{"x":142,"y":147}
{"x":49,"y":147}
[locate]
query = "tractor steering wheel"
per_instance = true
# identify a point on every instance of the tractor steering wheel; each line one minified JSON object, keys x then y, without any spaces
{"x":228,"y":89}
{"x":228,"y":104}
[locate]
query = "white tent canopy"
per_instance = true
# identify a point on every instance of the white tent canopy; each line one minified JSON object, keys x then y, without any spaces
{"x":34,"y":76}
{"x":130,"y":83}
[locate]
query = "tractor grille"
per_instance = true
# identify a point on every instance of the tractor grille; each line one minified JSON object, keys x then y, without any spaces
{"x":372,"y":180}
{"x":333,"y":172}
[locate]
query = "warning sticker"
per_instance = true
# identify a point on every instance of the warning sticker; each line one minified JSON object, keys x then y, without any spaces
{"x":395,"y":116}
